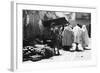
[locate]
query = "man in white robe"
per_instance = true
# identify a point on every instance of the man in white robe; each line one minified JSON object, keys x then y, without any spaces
{"x":78,"y":38}
{"x":85,"y":37}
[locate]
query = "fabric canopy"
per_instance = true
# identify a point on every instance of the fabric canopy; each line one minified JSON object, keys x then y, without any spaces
{"x":55,"y":22}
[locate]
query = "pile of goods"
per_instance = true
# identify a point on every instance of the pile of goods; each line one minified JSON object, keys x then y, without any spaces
{"x":37,"y":52}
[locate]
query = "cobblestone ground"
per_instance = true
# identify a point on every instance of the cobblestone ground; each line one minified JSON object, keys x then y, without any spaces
{"x":69,"y":56}
{"x":73,"y":56}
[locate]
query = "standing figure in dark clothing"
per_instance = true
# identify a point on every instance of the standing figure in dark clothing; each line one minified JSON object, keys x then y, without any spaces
{"x":55,"y":39}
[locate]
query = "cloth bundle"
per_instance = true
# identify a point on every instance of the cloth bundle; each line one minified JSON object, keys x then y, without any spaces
{"x":37,"y":53}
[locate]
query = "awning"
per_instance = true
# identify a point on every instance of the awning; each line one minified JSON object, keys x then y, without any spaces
{"x":55,"y":22}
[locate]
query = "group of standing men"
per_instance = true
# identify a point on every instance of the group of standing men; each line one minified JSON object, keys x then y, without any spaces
{"x":75,"y":38}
